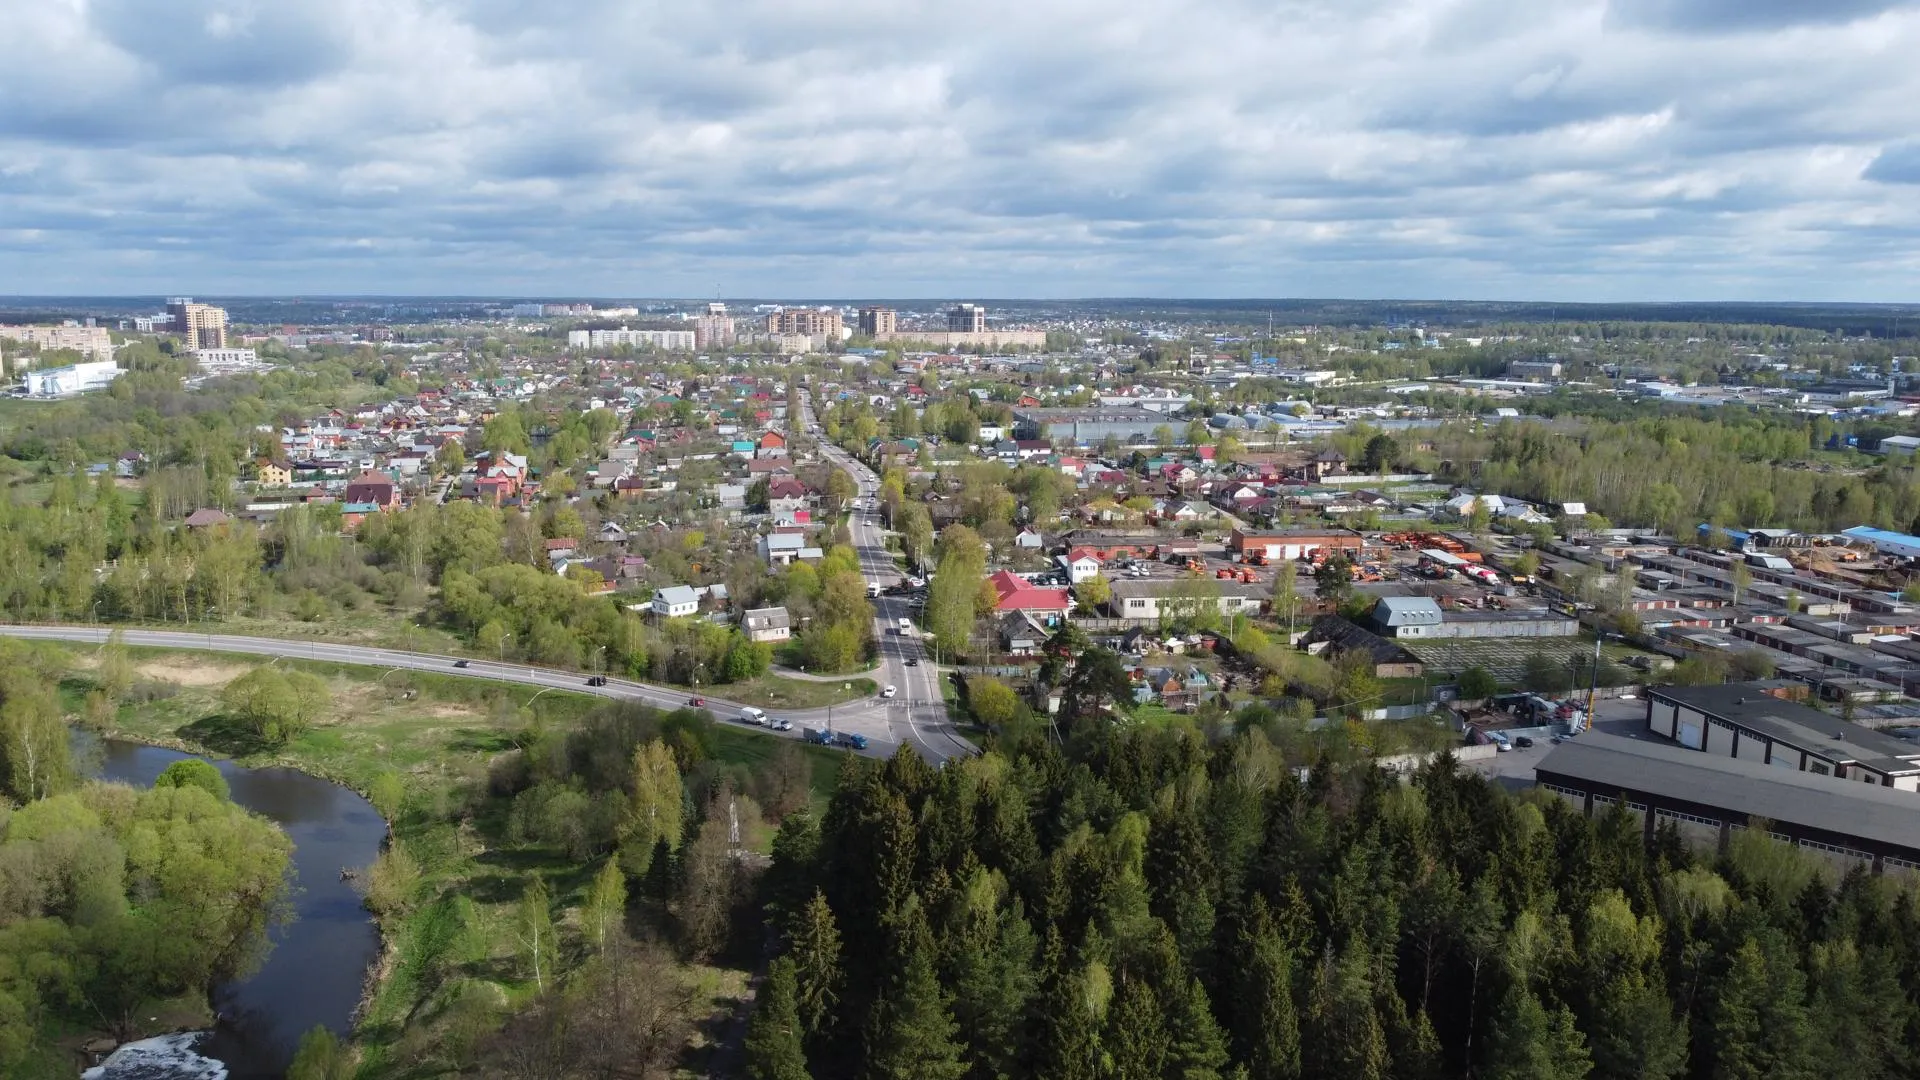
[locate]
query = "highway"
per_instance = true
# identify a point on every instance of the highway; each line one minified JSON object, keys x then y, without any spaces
{"x":917,"y":715}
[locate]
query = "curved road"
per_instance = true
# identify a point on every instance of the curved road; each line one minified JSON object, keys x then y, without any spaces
{"x":861,"y":716}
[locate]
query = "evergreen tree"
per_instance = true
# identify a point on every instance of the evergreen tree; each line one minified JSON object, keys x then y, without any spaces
{"x":1860,"y":1011}
{"x":1344,"y":1038}
{"x":1136,"y":1035}
{"x":1065,"y":1023}
{"x":814,"y":947}
{"x":1266,"y":1028}
{"x":991,"y":969}
{"x":1759,"y":1027}
{"x":1196,"y":1046}
{"x":773,"y":1049}
{"x":1530,"y":1043}
{"x":911,"y":1034}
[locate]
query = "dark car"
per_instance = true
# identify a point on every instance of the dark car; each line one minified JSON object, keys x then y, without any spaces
{"x":596,"y":680}
{"x":913,"y":661}
{"x":461,"y":663}
{"x":1523,"y":742}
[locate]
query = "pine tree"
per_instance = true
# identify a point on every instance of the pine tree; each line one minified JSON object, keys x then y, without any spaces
{"x":1759,"y":1025}
{"x":814,"y":946}
{"x":1136,"y":1033}
{"x":1530,"y":1043}
{"x":911,"y":1033}
{"x":1266,"y":1027}
{"x":1065,"y":1031}
{"x":991,"y":960}
{"x":1196,"y":1047}
{"x":773,"y":1048}
{"x":1344,"y":1040}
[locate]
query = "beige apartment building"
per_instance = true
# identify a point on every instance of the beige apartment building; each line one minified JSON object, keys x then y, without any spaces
{"x":875,"y":321}
{"x":203,"y":325}
{"x":808,"y":321}
{"x":92,"y":342}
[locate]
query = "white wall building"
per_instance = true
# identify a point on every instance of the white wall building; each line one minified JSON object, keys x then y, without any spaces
{"x":76,"y":379}
{"x":214,"y":361}
{"x":612,"y":339}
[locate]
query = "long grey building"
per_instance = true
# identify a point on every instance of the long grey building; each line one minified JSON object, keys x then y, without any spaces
{"x":1087,"y":427}
{"x":1708,"y":799}
{"x":1743,"y":721}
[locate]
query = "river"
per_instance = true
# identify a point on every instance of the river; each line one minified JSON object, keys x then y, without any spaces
{"x":318,"y":965}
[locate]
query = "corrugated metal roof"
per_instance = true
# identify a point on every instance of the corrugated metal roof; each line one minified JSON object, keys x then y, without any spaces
{"x":1846,"y":807}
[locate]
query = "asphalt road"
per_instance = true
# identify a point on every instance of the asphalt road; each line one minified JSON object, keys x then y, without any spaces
{"x":538,"y":678}
{"x":916,"y":715}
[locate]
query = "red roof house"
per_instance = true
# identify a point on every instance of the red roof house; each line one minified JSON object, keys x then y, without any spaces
{"x":1018,"y":594}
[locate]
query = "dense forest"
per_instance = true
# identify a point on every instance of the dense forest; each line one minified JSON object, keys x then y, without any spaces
{"x":1146,"y":904}
{"x":1674,"y":472}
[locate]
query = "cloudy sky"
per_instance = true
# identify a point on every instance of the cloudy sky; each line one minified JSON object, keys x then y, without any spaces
{"x":1499,"y":149}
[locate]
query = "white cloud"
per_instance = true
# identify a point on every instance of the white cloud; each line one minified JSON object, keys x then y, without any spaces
{"x":1477,"y":148}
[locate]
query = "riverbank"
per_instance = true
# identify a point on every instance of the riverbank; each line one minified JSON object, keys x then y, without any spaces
{"x":425,"y":749}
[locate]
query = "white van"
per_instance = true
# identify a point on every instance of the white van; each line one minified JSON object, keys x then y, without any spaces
{"x":906,"y":625}
{"x":751,"y":715}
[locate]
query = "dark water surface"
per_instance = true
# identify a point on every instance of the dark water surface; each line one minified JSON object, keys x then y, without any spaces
{"x":315,"y":972}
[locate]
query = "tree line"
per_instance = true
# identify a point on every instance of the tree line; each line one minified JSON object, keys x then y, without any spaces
{"x":1141,"y":903}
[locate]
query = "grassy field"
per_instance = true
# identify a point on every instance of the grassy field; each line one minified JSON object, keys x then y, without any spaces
{"x":780,"y":692}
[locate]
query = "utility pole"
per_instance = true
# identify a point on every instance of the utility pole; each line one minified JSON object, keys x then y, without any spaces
{"x":1599,"y":635}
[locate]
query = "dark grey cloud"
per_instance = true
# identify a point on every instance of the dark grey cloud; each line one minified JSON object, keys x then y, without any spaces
{"x":1897,"y":164}
{"x":1710,"y":16}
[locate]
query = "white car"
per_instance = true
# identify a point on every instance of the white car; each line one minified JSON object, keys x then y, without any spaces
{"x":887,"y":691}
{"x":783,"y":725}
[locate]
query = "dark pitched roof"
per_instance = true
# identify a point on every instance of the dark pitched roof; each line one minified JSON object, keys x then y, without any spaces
{"x":1344,"y":636}
{"x":1849,"y":808}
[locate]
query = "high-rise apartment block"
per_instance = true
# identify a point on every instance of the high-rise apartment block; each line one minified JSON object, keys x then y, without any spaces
{"x":967,"y":319}
{"x":878,"y":320}
{"x":715,"y":329}
{"x":203,"y":325}
{"x":812,"y":322}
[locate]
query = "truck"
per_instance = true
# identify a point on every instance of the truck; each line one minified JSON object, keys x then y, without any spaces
{"x":873,"y":589}
{"x":816,"y":736}
{"x":850,"y":740}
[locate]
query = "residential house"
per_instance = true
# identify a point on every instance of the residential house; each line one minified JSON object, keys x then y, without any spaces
{"x":1083,"y":564}
{"x":767,"y":624}
{"x":676,"y":601}
{"x":270,"y":473}
{"x":611,"y":532}
{"x":1015,"y":593}
{"x":372,"y":487}
{"x":1030,"y":539}
{"x":1328,"y":462}
{"x":206,"y":518}
{"x":1021,"y":634}
{"x":781,"y":548}
{"x":786,"y":495}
